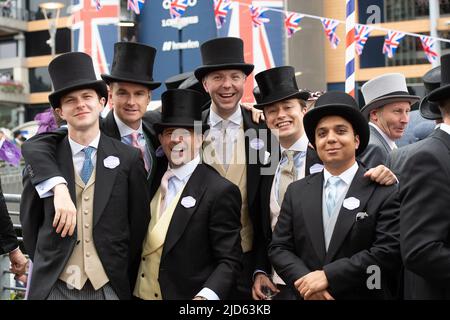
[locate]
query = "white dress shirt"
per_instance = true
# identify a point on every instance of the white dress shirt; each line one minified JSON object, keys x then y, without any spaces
{"x":445,"y":127}
{"x":329,"y":220}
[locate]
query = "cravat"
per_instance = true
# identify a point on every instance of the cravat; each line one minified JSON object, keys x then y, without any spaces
{"x":331,"y":195}
{"x":288,"y":174}
{"x":87,"y":168}
{"x":166,"y":184}
{"x":135,"y":143}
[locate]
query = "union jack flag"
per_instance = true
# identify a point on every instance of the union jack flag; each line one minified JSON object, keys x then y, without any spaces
{"x":258,"y":16}
{"x":391,"y":42}
{"x":135,"y":5}
{"x":263,"y":46}
{"x":221,"y":9}
{"x":429,"y":49}
{"x":177,"y":8}
{"x":330,"y":25}
{"x":292,"y":23}
{"x":95,"y":32}
{"x":98,"y":5}
{"x":362,"y":33}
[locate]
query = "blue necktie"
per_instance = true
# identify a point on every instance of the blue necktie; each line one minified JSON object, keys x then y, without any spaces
{"x":86,"y":171}
{"x":331,"y":195}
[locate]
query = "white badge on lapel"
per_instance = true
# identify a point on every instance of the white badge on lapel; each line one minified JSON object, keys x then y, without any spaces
{"x":315,"y":168}
{"x":361,"y":215}
{"x":257,"y":144}
{"x":111,"y":162}
{"x":351,"y":203}
{"x":188,"y":202}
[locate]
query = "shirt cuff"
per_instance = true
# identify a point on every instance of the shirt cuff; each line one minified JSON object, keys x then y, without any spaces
{"x":208,"y":294}
{"x":45,"y":188}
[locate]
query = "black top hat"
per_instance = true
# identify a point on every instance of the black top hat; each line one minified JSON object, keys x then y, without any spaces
{"x":257,"y":94}
{"x":132,"y":62}
{"x":336,"y":103}
{"x":73,"y":71}
{"x":193,"y":84}
{"x":223,"y":54}
{"x":180,"y":108}
{"x":278,"y":84}
{"x":443,"y":92}
{"x":431,"y":81}
{"x":174,"y":82}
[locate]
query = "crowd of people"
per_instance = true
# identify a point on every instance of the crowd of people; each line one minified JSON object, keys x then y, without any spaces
{"x":301,"y":196}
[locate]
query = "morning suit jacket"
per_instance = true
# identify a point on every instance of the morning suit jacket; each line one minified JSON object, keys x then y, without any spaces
{"x":39,"y":150}
{"x":398,"y":157}
{"x":264,"y":233}
{"x":8,"y":237}
{"x":202,"y":247}
{"x":121,"y":216}
{"x":253,"y":169}
{"x":425,"y":219}
{"x":377,"y":151}
{"x":298,"y":245}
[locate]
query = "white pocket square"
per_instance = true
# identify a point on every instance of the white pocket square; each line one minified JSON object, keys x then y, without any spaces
{"x":361,"y":216}
{"x":266,"y":157}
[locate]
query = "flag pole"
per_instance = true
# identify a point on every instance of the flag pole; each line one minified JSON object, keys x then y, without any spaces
{"x":350,"y":48}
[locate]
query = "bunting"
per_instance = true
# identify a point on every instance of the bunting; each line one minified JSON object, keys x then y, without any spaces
{"x":258,"y":16}
{"x":391,"y":43}
{"x":362,"y":33}
{"x":428,"y":45}
{"x":221,"y":9}
{"x":135,"y":5}
{"x":292,"y":23}
{"x":330,"y":25}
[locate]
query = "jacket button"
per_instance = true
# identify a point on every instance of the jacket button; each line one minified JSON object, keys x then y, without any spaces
{"x":156,"y":295}
{"x":143,"y":259}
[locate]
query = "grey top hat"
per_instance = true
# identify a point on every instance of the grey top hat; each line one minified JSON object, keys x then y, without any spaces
{"x":384,"y":89}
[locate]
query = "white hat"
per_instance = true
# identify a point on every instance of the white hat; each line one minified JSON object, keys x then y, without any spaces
{"x":384,"y":89}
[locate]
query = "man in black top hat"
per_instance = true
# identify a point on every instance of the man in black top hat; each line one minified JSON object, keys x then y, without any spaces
{"x":130,"y":86}
{"x":235,"y":146}
{"x":106,"y":180}
{"x":284,"y":107}
{"x":336,"y":225}
{"x":424,"y":213}
{"x":193,"y":247}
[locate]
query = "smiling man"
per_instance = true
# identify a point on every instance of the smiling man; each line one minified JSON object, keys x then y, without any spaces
{"x":130,"y":92}
{"x":387,"y":108}
{"x":106,"y":180}
{"x":336,"y":224}
{"x":193,"y":248}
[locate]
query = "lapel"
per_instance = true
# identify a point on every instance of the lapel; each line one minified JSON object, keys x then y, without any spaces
{"x":65,"y":164}
{"x":253,"y":170}
{"x":148,"y":135}
{"x":195,"y":188}
{"x":443,"y":136}
{"x":380,"y":138}
{"x":312,"y":212}
{"x":361,"y":188}
{"x":311,"y":159}
{"x":105,"y":177}
{"x":109,"y":126}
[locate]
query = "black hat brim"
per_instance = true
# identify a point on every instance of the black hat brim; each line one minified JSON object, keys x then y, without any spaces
{"x":202,"y":71}
{"x":98,"y":85}
{"x":438,"y":94}
{"x":377,"y":103}
{"x":429,"y":110}
{"x":149,"y":84}
{"x":160,"y":126}
{"x":304,"y":95}
{"x":359,"y":123}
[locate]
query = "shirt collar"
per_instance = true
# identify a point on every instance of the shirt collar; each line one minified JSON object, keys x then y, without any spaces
{"x":215,"y":119}
{"x":76,"y":147}
{"x":299,"y":145}
{"x":186,"y":170}
{"x":445,"y":127}
{"x":125,"y":130}
{"x":389,"y":141}
{"x":347,"y":176}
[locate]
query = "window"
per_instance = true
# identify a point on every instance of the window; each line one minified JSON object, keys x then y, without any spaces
{"x":35,"y":12}
{"x":8,"y":49}
{"x":36,"y":42}
{"x":39,"y":80}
